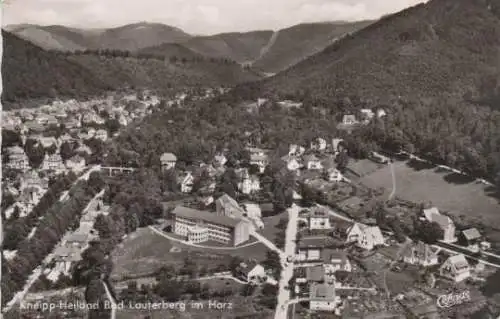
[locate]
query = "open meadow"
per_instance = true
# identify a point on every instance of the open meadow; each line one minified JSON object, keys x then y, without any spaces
{"x":446,"y":190}
{"x":144,"y":252}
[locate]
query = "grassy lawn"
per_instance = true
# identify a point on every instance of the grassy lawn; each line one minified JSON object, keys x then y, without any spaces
{"x":144,"y":252}
{"x":270,"y":223}
{"x":424,"y":183}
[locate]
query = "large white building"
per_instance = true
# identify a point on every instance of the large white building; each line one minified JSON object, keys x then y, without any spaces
{"x":200,"y":226}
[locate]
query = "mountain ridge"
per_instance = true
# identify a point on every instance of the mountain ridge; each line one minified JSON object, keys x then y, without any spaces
{"x":294,"y":43}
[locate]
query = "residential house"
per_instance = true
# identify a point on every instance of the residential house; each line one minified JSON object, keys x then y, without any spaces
{"x":311,"y":162}
{"x":366,"y":237}
{"x":318,"y":218}
{"x":248,"y":183}
{"x":337,"y":145}
{"x":260,"y":160}
{"x":381,"y":113}
{"x":444,"y":222}
{"x":32,"y":179}
{"x":29,"y":198}
{"x":420,"y":254}
{"x":254,"y":213}
{"x":199,"y":226}
{"x":79,"y":240}
{"x":455,"y":268}
{"x":379,"y":158}
{"x":45,"y":119}
{"x":53,"y":162}
{"x":91,"y":117}
{"x":65,"y":257}
{"x":32,"y":126}
{"x":333,"y":175}
{"x":168,"y":161}
{"x":319,"y":144}
{"x":220,"y":160}
{"x":296,"y":150}
{"x":292,"y":164}
{"x":290,"y":104}
{"x":76,"y":163}
{"x":315,"y":274}
{"x":310,"y":249}
{"x":186,"y":182}
{"x":251,"y":272}
{"x":48,"y":141}
{"x":322,"y":297}
{"x":227,"y":206}
{"x":336,"y":260}
{"x":470,"y":238}
{"x":367,"y":115}
{"x":101,"y":135}
{"x":18,"y":158}
{"x":349,"y":119}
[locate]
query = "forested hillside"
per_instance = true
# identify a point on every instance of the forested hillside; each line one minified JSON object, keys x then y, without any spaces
{"x":130,"y":37}
{"x":31,"y":72}
{"x":296,"y":43}
{"x":435,"y":68}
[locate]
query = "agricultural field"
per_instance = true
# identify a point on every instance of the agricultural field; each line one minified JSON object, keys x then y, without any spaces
{"x":447,"y":191}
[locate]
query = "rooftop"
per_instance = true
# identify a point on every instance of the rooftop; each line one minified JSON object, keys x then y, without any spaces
{"x":195,"y":214}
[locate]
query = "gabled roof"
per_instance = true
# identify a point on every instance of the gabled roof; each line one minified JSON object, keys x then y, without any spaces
{"x":433,"y":215}
{"x":167,"y":157}
{"x":315,"y":273}
{"x":225,"y":200}
{"x":195,"y":214}
{"x":471,"y":233}
{"x":322,"y":292}
{"x":459,"y":262}
{"x":310,"y":158}
{"x":247,"y":267}
{"x":419,"y":250}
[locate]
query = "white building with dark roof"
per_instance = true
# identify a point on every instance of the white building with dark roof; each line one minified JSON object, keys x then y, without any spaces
{"x":444,"y":222}
{"x":322,"y":297}
{"x":198,"y":226}
{"x":455,"y":268}
{"x":366,"y":237}
{"x":168,"y":161}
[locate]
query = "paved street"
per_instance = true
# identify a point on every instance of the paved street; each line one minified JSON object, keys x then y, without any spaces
{"x":287,"y":272}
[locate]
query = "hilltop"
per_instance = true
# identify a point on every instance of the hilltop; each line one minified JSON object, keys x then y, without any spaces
{"x":30,"y":72}
{"x":444,"y":46}
{"x":130,"y":37}
{"x":434,"y":67}
{"x":291,"y":45}
{"x":266,"y":50}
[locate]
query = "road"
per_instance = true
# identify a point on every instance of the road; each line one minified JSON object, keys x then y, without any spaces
{"x":111,"y":299}
{"x":393,"y":176}
{"x":490,"y":260}
{"x":287,"y":271}
{"x":337,"y":215}
{"x":19,"y":296}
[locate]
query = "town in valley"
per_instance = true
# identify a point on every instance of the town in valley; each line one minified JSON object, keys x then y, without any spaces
{"x":197,"y":185}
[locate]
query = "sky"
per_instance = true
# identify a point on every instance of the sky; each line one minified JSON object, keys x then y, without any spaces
{"x":196,"y":16}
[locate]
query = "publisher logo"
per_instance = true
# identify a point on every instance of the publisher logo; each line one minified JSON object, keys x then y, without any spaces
{"x":453,"y":299}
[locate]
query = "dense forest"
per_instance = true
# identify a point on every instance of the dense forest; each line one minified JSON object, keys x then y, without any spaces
{"x":433,"y":67}
{"x":31,"y":72}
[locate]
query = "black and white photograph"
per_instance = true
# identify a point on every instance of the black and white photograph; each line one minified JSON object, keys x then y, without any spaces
{"x":250,"y":159}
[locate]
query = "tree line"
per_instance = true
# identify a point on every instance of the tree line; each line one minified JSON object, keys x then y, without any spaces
{"x":57,"y":220}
